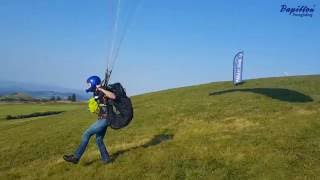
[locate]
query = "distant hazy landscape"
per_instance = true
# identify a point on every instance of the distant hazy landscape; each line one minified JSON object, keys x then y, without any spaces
{"x":37,"y":91}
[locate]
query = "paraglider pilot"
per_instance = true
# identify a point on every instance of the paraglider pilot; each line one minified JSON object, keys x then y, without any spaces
{"x":98,"y":128}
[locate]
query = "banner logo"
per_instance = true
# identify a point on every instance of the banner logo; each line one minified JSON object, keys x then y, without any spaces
{"x":237,"y":68}
{"x":301,"y":11}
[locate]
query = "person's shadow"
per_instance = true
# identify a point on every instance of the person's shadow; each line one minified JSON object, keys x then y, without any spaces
{"x":275,"y":93}
{"x":157,"y":139}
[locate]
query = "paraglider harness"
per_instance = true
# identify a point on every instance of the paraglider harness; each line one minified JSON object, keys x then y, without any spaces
{"x":119,"y":110}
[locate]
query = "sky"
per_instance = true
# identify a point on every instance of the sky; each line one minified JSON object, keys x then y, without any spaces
{"x":168,"y":43}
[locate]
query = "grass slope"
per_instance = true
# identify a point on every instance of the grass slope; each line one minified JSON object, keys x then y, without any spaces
{"x":263,"y":129}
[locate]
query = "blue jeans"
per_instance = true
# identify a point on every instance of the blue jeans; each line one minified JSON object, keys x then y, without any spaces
{"x":98,"y":128}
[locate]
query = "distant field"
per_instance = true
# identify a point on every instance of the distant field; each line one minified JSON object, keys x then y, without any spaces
{"x":264,"y":129}
{"x":23,"y":108}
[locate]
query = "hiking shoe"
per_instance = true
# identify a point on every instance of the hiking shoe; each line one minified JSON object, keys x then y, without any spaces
{"x":108,"y":161}
{"x":71,"y":158}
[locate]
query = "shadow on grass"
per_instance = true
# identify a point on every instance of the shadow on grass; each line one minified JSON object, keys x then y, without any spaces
{"x":275,"y":93}
{"x":157,"y":139}
{"x":36,"y":114}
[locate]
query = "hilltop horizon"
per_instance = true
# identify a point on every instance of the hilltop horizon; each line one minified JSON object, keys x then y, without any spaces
{"x":7,"y":87}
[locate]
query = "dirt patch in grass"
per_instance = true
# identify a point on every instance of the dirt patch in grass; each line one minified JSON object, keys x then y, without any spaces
{"x":237,"y":124}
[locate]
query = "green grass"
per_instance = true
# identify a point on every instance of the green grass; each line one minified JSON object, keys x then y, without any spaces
{"x":263,"y":129}
{"x":28,"y":108}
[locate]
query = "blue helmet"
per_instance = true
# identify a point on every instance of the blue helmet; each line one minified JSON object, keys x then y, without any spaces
{"x":93,"y":81}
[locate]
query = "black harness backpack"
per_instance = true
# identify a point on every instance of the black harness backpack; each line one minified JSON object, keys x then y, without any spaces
{"x":119,"y":110}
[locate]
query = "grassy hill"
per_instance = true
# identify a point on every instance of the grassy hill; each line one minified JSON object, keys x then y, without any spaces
{"x":39,"y":91}
{"x":264,"y":129}
{"x":16,"y":97}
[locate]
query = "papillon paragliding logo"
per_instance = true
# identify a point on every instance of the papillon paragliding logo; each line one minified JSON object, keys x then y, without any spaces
{"x":301,"y":11}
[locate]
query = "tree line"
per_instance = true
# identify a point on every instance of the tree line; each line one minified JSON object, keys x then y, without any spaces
{"x":72,"y":98}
